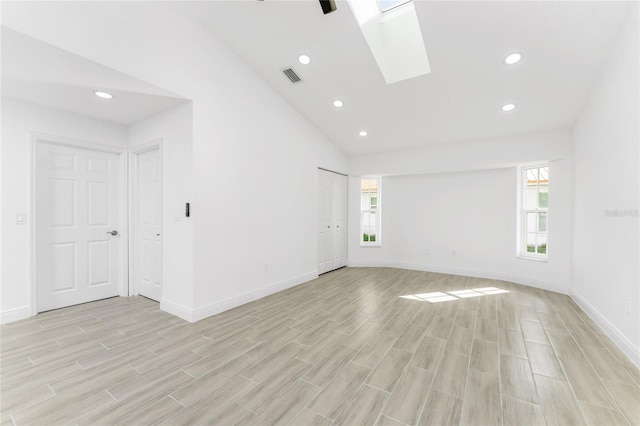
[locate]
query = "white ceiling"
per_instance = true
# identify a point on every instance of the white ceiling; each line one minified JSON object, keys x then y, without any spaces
{"x":37,"y":72}
{"x":565,"y":44}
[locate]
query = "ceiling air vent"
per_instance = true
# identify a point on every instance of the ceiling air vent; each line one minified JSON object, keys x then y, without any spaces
{"x":291,"y":75}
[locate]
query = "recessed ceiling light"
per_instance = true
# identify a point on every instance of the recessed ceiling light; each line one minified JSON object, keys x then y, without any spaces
{"x":338,"y":103}
{"x":362,"y":133}
{"x":304,"y":59}
{"x":513,"y":58}
{"x":508,"y":107}
{"x":104,"y":95}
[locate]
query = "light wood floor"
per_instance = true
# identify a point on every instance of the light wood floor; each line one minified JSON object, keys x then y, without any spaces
{"x":344,"y":349}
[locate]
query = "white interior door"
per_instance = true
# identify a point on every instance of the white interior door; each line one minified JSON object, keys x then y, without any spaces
{"x":77,"y":210}
{"x":339,"y":227}
{"x":325,"y":210}
{"x":149,"y":241}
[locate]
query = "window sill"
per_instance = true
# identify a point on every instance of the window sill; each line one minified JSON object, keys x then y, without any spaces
{"x":535,"y":259}
{"x":370,"y":245}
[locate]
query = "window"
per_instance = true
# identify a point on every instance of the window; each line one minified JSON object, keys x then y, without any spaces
{"x":370,"y":211}
{"x":387,"y":5}
{"x":535,"y":212}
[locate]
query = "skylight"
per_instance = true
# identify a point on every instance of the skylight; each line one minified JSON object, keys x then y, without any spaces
{"x":395,"y":38}
{"x":387,"y":5}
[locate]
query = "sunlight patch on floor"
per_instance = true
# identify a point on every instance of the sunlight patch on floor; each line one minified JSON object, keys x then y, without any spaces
{"x":438,"y":296}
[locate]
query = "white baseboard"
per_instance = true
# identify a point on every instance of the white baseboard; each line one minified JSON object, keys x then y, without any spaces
{"x":177,"y":310}
{"x":15,"y":314}
{"x":193,"y":315}
{"x":544,"y":285}
{"x":624,"y":344}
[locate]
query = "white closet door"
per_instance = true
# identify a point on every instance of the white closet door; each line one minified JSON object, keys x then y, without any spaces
{"x":77,"y":226}
{"x":332,"y":221}
{"x":339,"y":249}
{"x":325,"y":213}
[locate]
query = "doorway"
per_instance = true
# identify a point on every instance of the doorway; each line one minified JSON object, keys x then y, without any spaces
{"x":147,"y":245}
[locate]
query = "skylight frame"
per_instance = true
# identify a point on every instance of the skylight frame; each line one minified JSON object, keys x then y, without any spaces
{"x":383,"y":10}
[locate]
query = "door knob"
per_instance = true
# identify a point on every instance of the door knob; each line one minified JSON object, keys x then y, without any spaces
{"x":114,"y":232}
{"x":157,"y":235}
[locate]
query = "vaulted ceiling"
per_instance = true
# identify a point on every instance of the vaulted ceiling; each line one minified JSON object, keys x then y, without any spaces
{"x":564,"y":47}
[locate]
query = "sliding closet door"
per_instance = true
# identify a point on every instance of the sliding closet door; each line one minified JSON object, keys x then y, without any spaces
{"x":332,"y":221}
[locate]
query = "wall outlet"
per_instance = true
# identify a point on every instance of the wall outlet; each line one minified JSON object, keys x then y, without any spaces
{"x":627,"y":305}
{"x":266,"y":267}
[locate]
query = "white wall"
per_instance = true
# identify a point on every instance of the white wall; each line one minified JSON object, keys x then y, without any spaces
{"x":507,"y":151}
{"x":465,"y":223}
{"x":252,"y":150}
{"x":19,"y":119}
{"x":175,"y":131}
{"x":606,"y":149}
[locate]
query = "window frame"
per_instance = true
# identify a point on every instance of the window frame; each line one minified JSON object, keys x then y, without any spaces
{"x":523,"y":211}
{"x":377,"y":210}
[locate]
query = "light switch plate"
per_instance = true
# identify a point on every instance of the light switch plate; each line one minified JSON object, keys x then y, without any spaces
{"x":21,"y":218}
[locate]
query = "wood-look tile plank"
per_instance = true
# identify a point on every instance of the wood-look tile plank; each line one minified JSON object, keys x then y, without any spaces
{"x":533,"y":332}
{"x":205,"y":406}
{"x":482,"y":400}
{"x":484,"y":357}
{"x":598,"y":416}
{"x":516,"y":378}
{"x":460,"y":341}
{"x":212,"y":381}
{"x":516,"y":412}
{"x":260,"y":370}
{"x":278,"y":381}
{"x":565,"y":346}
{"x":486,"y":330}
{"x":510,"y":342}
{"x":559,"y":407}
{"x":337,"y":392}
{"x":374,"y":350}
{"x":364,"y":407}
{"x":389,"y":370}
{"x":286,"y":406}
{"x":410,"y":338}
{"x":157,"y":413}
{"x":628,"y":399}
{"x":543,"y":361}
{"x":586,"y":384}
{"x":441,"y":409}
{"x":409,"y":395}
{"x":329,"y":365}
{"x":308,"y":417}
{"x":428,"y":353}
{"x":605,"y":364}
{"x":451,"y":376}
{"x":388,"y":421}
{"x":440,"y":327}
{"x":465,"y":319}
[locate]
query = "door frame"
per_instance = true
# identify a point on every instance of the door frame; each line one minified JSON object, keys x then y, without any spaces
{"x":122,"y":153}
{"x":133,"y":211}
